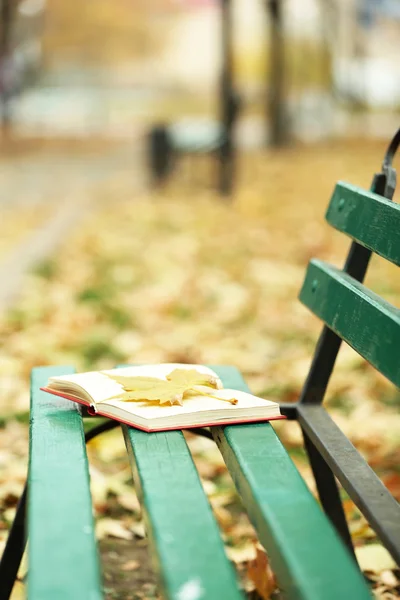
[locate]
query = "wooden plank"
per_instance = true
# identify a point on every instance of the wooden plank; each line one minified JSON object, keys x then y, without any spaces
{"x":368,"y":218}
{"x":187,"y":545}
{"x":356,"y":476}
{"x":360,"y":317}
{"x":63,"y":562}
{"x":309,"y":559}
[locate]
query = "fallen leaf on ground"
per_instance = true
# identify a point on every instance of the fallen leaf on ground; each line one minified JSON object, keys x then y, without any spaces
{"x":375,"y":558}
{"x":209,"y":487}
{"x":389,"y":578}
{"x":131,"y":565}
{"x":23,"y":567}
{"x":139,"y":529}
{"x":241,"y":555}
{"x":223,"y":498}
{"x":203,"y":293}
{"x":129,"y":501}
{"x":382,"y":593}
{"x":19,"y":591}
{"x":261,"y":574}
{"x":360,"y":530}
{"x":112,"y":528}
{"x":223,"y":516}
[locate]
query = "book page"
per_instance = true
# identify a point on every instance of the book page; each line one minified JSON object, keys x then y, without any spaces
{"x":100,"y":387}
{"x":193,"y":404}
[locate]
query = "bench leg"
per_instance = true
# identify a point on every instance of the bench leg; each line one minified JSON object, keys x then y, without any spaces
{"x":108,"y":425}
{"x":103,"y":427}
{"x":16,"y":540}
{"x":14,"y":550}
{"x":329,"y":493}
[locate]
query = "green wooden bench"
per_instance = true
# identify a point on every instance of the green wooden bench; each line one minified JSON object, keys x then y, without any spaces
{"x":63,"y":561}
{"x":168,"y":144}
{"x":307,"y":548}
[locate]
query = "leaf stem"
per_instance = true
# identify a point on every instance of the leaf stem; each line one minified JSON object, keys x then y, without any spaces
{"x":201,"y":393}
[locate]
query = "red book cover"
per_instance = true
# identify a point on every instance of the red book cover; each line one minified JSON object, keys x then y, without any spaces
{"x":101,"y":413}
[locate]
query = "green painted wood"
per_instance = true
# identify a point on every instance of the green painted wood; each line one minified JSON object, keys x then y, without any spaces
{"x":186,"y":542}
{"x":360,"y":317}
{"x":368,"y":218}
{"x":63,"y":562}
{"x":309,"y":559}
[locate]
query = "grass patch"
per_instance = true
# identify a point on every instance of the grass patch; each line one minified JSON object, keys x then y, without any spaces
{"x":46,"y":269}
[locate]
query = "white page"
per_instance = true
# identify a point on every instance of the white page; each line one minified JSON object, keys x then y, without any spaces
{"x":100,"y":387}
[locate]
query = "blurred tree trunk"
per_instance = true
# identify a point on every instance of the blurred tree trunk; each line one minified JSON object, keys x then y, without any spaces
{"x":277,"y":114}
{"x":5,"y":66}
{"x":329,"y":37}
{"x":228,"y":102}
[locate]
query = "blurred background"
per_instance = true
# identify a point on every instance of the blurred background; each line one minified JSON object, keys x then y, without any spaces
{"x":165,"y":168}
{"x":110,"y":69}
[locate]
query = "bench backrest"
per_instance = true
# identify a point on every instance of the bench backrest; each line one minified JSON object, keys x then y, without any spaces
{"x":357,"y":315}
{"x":369,"y":324}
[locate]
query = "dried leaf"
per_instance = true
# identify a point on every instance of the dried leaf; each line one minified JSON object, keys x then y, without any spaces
{"x":129,"y":501}
{"x":241,"y":555}
{"x":375,"y":558}
{"x":191,"y":377}
{"x":203,"y":390}
{"x":139,"y":529}
{"x":223,"y":498}
{"x":19,"y":591}
{"x":180,"y":382}
{"x":205,"y":262}
{"x":261,"y":574}
{"x":383,"y":593}
{"x":360,"y":530}
{"x":23,"y":567}
{"x":149,"y":389}
{"x":223,"y":517}
{"x":139,"y":382}
{"x":112,"y":528}
{"x":389,"y":578}
{"x":131,"y":565}
{"x":242,"y":530}
{"x":209,"y":487}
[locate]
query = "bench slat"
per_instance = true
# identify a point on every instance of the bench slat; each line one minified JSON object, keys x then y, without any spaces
{"x":364,"y":487}
{"x":188,"y":549}
{"x":360,"y":317}
{"x":63,"y":561}
{"x":368,"y":218}
{"x":309,"y":559}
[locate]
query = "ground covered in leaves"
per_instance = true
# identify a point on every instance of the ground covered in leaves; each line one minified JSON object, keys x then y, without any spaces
{"x":183,"y":276}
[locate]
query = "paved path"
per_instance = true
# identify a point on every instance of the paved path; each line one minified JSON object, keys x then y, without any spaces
{"x":68,"y":183}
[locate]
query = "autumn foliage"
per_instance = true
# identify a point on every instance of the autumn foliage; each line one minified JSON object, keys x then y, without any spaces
{"x":99,"y":32}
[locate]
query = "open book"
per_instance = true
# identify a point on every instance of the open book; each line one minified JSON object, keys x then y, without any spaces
{"x":162,"y":397}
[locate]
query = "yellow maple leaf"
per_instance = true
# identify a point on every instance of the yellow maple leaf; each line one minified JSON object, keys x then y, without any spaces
{"x":191,"y":377}
{"x":180,"y":383}
{"x":164,"y":393}
{"x":150,"y":389}
{"x":138,"y":382}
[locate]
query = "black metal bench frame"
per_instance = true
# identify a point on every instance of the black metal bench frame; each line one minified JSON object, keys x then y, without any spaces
{"x":330,"y":453}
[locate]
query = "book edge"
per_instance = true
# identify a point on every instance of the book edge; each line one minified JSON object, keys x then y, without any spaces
{"x":171,"y":428}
